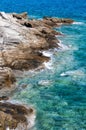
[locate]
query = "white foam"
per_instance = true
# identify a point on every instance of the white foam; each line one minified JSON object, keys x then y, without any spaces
{"x":67,"y":73}
{"x":7,"y":128}
{"x":47,"y":53}
{"x":48,"y":65}
{"x":63,"y":74}
{"x":78,"y":23}
{"x":72,"y":73}
{"x":44,"y":82}
{"x":64,"y":47}
{"x":31,"y":120}
{"x":4,"y":15}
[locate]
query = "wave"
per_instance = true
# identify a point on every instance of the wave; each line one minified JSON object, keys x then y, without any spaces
{"x":72,"y":73}
{"x":64,"y":47}
{"x":48,"y":65}
{"x":79,"y":23}
{"x":7,"y":128}
{"x":47,"y":53}
{"x":44,"y":82}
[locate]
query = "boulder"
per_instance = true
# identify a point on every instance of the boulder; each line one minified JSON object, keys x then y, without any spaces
{"x":15,"y":116}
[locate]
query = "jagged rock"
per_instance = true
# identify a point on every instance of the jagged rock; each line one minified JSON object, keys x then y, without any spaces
{"x":7,"y":77}
{"x":21,"y":42}
{"x":57,"y":21}
{"x":27,"y":24}
{"x":4,"y":98}
{"x":67,"y":21}
{"x":20,"y":16}
{"x":31,"y":63}
{"x":16,"y":117}
{"x":49,"y":31}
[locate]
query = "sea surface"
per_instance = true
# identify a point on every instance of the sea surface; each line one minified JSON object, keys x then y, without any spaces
{"x":58,"y":93}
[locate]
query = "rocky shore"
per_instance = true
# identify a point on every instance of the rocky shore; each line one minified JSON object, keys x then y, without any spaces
{"x":22,"y":41}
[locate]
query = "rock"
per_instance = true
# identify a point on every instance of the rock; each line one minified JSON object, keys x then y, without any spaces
{"x":49,"y":31}
{"x":4,"y":98}
{"x":26,"y":23}
{"x":56,"y":21}
{"x":38,"y":23}
{"x":67,"y":21}
{"x":31,"y":63}
{"x":7,"y":77}
{"x":21,"y":42}
{"x":15,"y":116}
{"x":20,"y":16}
{"x":52,"y":41}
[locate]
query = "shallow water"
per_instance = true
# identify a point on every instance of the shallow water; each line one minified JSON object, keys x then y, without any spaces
{"x":58,"y":93}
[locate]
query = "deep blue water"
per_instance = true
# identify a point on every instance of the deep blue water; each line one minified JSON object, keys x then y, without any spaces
{"x":59,"y":92}
{"x":61,"y":8}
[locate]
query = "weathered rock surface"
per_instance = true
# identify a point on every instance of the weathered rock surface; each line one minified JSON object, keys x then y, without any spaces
{"x":20,"y":16}
{"x":6,"y":77}
{"x":22,"y":41}
{"x":4,"y":98}
{"x":16,"y":117}
{"x":56,"y":21}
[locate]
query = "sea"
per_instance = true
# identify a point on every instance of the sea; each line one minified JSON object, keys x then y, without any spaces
{"x":58,"y":92}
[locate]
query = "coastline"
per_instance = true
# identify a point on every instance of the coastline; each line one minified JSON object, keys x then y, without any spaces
{"x":21,"y":43}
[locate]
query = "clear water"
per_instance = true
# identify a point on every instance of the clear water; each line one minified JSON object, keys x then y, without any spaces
{"x":58,"y":93}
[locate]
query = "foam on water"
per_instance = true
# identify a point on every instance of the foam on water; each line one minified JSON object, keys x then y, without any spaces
{"x":44,"y":82}
{"x":64,"y":47}
{"x":62,"y":105}
{"x":48,"y":53}
{"x":73,"y":73}
{"x":31,"y":120}
{"x":48,"y":65}
{"x":78,"y":23}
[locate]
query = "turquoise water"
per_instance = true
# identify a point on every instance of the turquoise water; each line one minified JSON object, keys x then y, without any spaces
{"x":58,"y":93}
